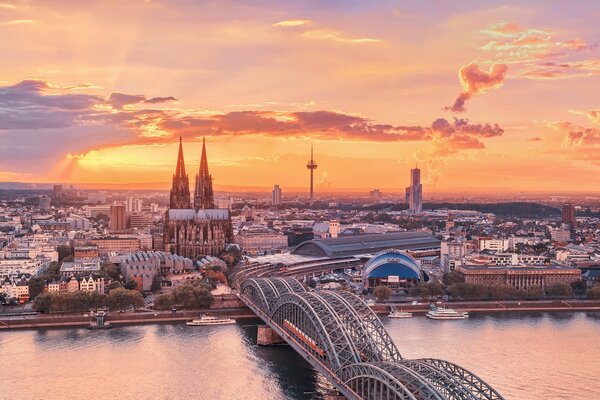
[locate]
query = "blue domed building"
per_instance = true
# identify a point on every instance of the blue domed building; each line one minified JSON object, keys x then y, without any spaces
{"x":392,"y":268}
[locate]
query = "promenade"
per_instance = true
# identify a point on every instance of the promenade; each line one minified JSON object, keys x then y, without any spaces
{"x":238,"y":311}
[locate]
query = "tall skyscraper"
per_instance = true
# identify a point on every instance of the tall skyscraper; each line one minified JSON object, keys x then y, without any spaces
{"x":415,"y":200}
{"x":568,"y":214}
{"x":203,"y":195}
{"x":311,"y":166}
{"x":118,"y":217}
{"x":276,"y":196}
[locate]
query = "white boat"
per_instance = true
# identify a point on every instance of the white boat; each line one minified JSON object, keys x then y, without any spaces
{"x":445,"y":313}
{"x":399,"y":314}
{"x":210,"y":320}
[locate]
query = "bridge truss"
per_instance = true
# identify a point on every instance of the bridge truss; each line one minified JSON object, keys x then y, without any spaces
{"x":339,"y":335}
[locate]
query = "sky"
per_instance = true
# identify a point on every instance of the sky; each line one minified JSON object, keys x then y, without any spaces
{"x":481,"y":95}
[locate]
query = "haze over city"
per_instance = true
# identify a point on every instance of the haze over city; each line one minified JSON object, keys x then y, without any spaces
{"x":315,"y":200}
{"x":482,"y":95}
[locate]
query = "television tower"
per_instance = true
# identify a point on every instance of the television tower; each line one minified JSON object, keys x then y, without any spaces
{"x":312,"y":166}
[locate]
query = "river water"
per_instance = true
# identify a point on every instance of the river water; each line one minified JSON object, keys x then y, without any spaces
{"x":524,"y":356}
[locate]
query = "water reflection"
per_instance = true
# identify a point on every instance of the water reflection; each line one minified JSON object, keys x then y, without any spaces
{"x":526,"y":356}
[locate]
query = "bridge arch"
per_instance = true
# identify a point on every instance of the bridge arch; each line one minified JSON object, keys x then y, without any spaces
{"x":314,"y":324}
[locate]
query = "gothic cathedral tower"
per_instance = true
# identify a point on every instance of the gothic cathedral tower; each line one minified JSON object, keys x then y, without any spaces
{"x":203,"y":195}
{"x":180,"y":189}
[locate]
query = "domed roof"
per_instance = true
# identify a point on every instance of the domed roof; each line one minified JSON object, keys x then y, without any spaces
{"x":392,"y":262}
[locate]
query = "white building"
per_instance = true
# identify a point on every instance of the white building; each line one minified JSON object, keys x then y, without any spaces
{"x":492,"y":244}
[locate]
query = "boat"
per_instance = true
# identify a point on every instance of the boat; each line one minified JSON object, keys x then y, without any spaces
{"x":210,"y":320}
{"x":399,"y":314}
{"x":445,"y":313}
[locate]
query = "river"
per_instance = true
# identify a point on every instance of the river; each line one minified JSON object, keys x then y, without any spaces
{"x":524,"y":356}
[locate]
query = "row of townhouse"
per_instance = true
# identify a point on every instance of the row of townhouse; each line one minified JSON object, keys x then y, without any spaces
{"x":15,"y":288}
{"x":71,"y":284}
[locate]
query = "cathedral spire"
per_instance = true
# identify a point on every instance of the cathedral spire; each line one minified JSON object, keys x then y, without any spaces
{"x":203,"y":194}
{"x":180,"y":188}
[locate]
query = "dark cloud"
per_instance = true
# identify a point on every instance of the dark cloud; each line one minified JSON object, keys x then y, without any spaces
{"x":120,"y":100}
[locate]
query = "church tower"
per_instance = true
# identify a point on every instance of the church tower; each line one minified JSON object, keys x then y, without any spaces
{"x":180,"y":189}
{"x":203,"y":195}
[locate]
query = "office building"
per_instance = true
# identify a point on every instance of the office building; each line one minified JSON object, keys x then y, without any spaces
{"x":118,"y":217}
{"x":276,"y":196}
{"x":415,"y":192}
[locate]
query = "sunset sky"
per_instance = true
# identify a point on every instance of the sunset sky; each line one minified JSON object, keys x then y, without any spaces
{"x":483,"y":95}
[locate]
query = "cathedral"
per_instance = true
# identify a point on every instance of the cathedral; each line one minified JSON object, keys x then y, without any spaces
{"x":198,"y":229}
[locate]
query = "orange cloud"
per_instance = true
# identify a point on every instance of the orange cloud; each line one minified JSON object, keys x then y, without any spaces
{"x":476,"y":81}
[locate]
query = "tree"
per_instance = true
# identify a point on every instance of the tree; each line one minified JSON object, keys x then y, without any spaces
{"x":112,"y":271}
{"x":427,"y":290}
{"x":535,"y":292}
{"x":164,"y":302}
{"x":43,"y":302}
{"x":501,"y":292}
{"x":156,"y":285}
{"x":52,"y":272}
{"x":453,"y":277}
{"x":382,"y":293}
{"x":3,"y":298}
{"x":468,"y":291}
{"x":560,"y":290}
{"x":36,"y":286}
{"x":196,"y":295}
{"x":594,"y":292}
{"x":64,"y":251}
{"x":311,"y":283}
{"x":114,"y":285}
{"x":579,"y":287}
{"x":97,"y":300}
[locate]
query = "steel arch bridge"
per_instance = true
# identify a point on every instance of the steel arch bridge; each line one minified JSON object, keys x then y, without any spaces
{"x":341,"y":337}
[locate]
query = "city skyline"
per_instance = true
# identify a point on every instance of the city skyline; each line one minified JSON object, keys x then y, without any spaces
{"x":485,"y":97}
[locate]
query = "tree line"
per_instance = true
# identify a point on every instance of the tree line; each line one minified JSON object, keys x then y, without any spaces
{"x":119,"y":299}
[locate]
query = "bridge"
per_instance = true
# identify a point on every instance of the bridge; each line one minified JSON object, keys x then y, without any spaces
{"x":343,"y":339}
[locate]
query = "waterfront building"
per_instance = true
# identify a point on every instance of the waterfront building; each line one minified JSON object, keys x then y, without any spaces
{"x":392,"y":268}
{"x":143,"y":266}
{"x":415,"y":200}
{"x":519,"y":277}
{"x":276,"y":196}
{"x":203,"y":229}
{"x":118,"y":217}
{"x":16,"y":288}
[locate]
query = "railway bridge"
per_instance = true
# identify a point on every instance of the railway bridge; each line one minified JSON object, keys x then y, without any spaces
{"x":342,"y":338}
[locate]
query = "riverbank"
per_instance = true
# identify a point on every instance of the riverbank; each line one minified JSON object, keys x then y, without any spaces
{"x":497,"y":306}
{"x":116,"y":319}
{"x":239,"y":311}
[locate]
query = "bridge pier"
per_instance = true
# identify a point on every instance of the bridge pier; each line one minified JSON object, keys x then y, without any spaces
{"x":267,"y":336}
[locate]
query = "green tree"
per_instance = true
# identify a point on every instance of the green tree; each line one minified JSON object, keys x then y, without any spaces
{"x":560,"y":290}
{"x":52,"y":272}
{"x":64,"y":251}
{"x":164,"y":302}
{"x":114,"y":285}
{"x":535,"y":292}
{"x":36,"y":286}
{"x":112,"y":271}
{"x":97,"y":300}
{"x":382,"y":293}
{"x":501,"y":292}
{"x":427,"y":290}
{"x":453,"y":277}
{"x":43,"y":302}
{"x":3,"y":298}
{"x":468,"y":291}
